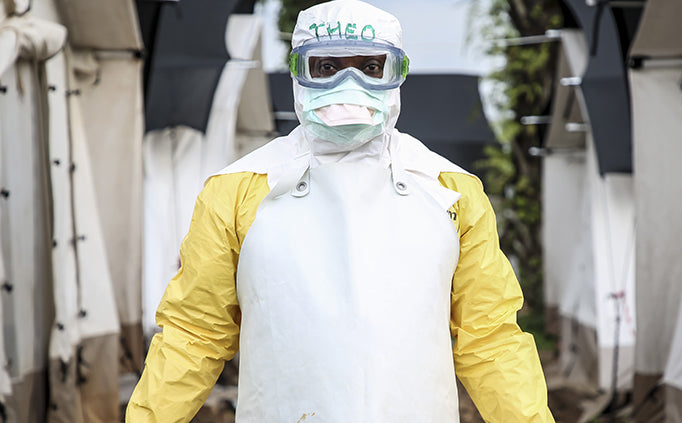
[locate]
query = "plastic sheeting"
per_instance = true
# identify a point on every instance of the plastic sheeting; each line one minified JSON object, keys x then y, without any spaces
{"x":173,"y":178}
{"x":178,"y":160}
{"x":16,"y":7}
{"x":657,"y":107}
{"x":564,"y":181}
{"x":26,"y":306}
{"x":5,"y":384}
{"x":655,"y":76}
{"x":589,"y":271}
{"x":673,"y":370}
{"x":612,"y":232}
{"x":101,"y":24}
{"x":567,"y":102}
{"x":84,"y":297}
{"x":59,"y":302}
{"x":111,"y":92}
{"x":564,"y":176}
{"x":659,"y":33}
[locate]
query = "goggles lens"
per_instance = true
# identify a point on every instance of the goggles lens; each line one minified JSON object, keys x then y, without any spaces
{"x":326,"y":64}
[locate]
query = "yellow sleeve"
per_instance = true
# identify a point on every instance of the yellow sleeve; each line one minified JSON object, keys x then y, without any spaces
{"x":496,"y":362}
{"x":199,"y":312}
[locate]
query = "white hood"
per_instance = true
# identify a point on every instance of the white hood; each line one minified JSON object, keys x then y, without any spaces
{"x":331,"y":20}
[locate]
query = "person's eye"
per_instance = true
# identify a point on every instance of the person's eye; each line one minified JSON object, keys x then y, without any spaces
{"x":373,"y":68}
{"x":326,"y":69}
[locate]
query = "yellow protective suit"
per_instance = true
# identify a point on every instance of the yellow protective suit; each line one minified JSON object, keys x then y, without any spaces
{"x":200,"y":315}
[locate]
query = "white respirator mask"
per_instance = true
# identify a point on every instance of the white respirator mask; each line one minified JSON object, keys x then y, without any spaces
{"x":347,"y":114}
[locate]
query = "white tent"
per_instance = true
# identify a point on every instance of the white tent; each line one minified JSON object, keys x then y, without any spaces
{"x":655,"y":77}
{"x":588,"y":238}
{"x":68,"y":133}
{"x":27,"y":305}
{"x":177,"y":160}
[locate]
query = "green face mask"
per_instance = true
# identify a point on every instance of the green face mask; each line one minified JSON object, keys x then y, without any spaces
{"x":348,"y":92}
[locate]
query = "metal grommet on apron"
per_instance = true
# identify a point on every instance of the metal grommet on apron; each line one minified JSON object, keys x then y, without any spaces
{"x":302,"y":187}
{"x":344,"y":287}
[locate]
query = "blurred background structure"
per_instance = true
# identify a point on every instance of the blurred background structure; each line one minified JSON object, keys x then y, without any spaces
{"x":114,"y":112}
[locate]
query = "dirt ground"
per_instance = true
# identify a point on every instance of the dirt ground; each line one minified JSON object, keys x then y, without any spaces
{"x":568,"y":403}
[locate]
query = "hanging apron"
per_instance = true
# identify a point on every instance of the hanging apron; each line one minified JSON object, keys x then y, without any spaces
{"x":344,"y":284}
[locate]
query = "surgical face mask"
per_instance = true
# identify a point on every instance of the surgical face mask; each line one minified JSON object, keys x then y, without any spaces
{"x":350,"y":126}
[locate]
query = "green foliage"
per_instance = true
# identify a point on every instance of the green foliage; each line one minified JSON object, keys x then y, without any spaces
{"x":498,"y":169}
{"x":535,"y":323}
{"x":289,"y":12}
{"x":510,"y":174}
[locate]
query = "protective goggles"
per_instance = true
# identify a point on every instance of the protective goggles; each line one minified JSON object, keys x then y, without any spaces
{"x":325,"y":64}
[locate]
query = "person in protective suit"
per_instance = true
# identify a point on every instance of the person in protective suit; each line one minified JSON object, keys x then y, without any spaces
{"x":345,"y":261}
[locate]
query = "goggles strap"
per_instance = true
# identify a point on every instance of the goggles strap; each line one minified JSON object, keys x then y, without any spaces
{"x":293,"y":63}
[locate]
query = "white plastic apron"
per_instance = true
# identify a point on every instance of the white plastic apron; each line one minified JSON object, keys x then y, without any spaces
{"x":344,"y":286}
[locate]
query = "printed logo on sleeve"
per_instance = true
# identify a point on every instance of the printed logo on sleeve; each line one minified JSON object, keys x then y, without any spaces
{"x":453,"y":217}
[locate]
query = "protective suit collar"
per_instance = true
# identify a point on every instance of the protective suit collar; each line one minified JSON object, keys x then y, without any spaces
{"x":281,"y":155}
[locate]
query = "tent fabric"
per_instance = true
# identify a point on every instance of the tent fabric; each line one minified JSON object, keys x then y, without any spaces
{"x":101,"y":24}
{"x":648,"y":399}
{"x":177,"y":161}
{"x":563,"y":184}
{"x":84,"y":298}
{"x":8,"y":49}
{"x":673,"y":404}
{"x":659,"y":34}
{"x":65,"y":337}
{"x":5,"y":381}
{"x":60,"y":325}
{"x":173,"y":179}
{"x":99,"y":388}
{"x":605,"y":90}
{"x":673,"y":370}
{"x":185,"y":62}
{"x":37,"y":39}
{"x":17,"y":7}
{"x":242,"y":78}
{"x":566,"y":101}
{"x":564,"y":175}
{"x":111,"y":92}
{"x":578,"y":295}
{"x":24,"y":228}
{"x":612,"y":232}
{"x":579,"y":353}
{"x":97,"y":297}
{"x":590,"y":273}
{"x":255,"y":112}
{"x":114,"y":94}
{"x":657,"y":106}
{"x":26,"y":393}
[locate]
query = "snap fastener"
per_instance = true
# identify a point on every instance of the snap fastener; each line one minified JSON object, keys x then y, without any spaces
{"x":301,"y":186}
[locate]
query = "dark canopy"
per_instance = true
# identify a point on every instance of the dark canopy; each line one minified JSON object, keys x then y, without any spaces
{"x":608,"y":31}
{"x":185,"y":55}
